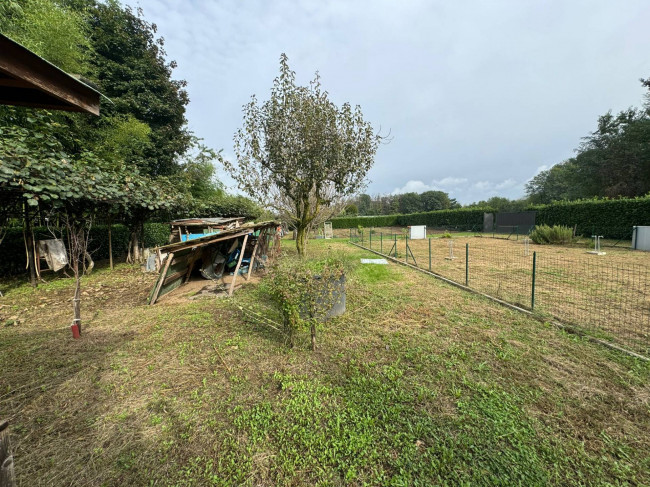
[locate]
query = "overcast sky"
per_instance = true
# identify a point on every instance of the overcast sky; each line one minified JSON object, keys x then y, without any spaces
{"x":478,"y":96}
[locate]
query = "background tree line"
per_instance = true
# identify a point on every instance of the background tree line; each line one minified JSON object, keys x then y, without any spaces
{"x":391,"y":204}
{"x":613,"y":161}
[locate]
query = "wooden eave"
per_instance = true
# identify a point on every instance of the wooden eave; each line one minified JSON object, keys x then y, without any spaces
{"x":29,"y":80}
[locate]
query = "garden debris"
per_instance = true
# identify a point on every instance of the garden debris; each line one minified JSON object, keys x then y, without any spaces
{"x":374,"y":261}
{"x":215,"y":254}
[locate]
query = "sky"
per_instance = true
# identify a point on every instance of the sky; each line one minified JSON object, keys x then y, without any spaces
{"x":477,"y":97}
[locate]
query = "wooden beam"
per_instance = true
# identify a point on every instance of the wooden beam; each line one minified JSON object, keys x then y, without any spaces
{"x":203,"y":243}
{"x":161,"y":278}
{"x":241,"y":256}
{"x":250,"y":264}
{"x":65,"y":91}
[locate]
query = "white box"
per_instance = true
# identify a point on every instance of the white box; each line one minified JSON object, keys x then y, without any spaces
{"x":418,"y":232}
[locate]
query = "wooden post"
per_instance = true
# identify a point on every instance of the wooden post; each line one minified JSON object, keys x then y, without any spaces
{"x":110,"y":245}
{"x":250,"y":264}
{"x":161,"y":278}
{"x":7,"y":476}
{"x":29,"y":243}
{"x":241,"y":256}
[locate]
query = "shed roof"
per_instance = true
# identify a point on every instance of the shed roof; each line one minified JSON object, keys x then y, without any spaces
{"x":27,"y":79}
{"x":206,"y":221}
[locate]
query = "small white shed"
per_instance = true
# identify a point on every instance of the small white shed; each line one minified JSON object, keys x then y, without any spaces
{"x":641,"y":238}
{"x":417,"y":232}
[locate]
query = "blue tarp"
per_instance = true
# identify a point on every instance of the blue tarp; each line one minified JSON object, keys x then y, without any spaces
{"x":192,"y":236}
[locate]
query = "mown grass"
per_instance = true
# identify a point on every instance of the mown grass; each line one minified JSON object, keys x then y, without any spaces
{"x":418,"y":383}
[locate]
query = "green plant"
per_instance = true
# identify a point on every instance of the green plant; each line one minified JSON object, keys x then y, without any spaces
{"x":445,"y":235}
{"x":555,"y":235}
{"x":305,"y":290}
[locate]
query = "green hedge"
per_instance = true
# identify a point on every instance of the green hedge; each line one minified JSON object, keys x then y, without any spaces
{"x":461,"y":219}
{"x":13,"y":245}
{"x":610,"y":218}
{"x":365,"y":221}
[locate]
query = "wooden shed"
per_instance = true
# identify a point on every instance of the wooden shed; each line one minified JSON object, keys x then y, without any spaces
{"x":218,"y":257}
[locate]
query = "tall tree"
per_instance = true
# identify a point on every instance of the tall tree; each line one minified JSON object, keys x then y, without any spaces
{"x":301,"y":154}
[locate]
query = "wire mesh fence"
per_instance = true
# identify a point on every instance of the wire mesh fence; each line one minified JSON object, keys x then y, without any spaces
{"x":606,"y":299}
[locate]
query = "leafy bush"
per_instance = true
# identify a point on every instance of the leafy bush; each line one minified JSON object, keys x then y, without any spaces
{"x":555,"y":235}
{"x":305,"y":290}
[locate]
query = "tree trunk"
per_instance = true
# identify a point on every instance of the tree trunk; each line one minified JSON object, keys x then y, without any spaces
{"x":301,"y":240}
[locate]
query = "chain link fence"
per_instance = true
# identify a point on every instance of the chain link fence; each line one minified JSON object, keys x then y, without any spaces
{"x":608,"y":300}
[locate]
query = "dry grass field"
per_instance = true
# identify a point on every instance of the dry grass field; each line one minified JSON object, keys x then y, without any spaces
{"x":606,"y":295}
{"x":418,"y":383}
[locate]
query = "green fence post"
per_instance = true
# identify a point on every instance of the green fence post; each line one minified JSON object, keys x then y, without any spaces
{"x":370,"y":239}
{"x":381,"y":242}
{"x":429,"y":254}
{"x":407,"y":248}
{"x":467,"y":264}
{"x":395,"y":235}
{"x":532,"y":294}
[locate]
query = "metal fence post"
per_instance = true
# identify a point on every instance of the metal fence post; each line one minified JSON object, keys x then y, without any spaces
{"x":429,"y":254}
{"x":532,"y":294}
{"x":467,"y":264}
{"x":395,"y":235}
{"x":407,"y":248}
{"x":350,"y":235}
{"x":381,"y":242}
{"x":370,"y":238}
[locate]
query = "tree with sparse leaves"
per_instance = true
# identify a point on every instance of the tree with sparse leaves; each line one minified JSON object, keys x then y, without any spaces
{"x":300,"y":154}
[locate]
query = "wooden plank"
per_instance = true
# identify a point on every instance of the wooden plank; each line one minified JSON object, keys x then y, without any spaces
{"x":159,"y":284}
{"x":250,"y":264}
{"x":197,"y":255}
{"x":48,"y":85}
{"x":241,"y":256}
{"x":203,"y":243}
{"x":174,"y":276}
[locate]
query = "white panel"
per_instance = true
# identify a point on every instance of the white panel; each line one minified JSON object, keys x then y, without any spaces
{"x":417,"y":232}
{"x":641,"y":238}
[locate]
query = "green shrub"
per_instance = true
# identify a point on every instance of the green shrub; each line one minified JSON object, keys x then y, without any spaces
{"x":445,"y":235}
{"x":304,"y":292}
{"x":555,"y":235}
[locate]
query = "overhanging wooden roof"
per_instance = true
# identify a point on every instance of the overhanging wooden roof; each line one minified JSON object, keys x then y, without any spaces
{"x":29,"y":80}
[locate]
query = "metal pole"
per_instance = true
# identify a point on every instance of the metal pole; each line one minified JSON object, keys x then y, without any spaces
{"x":350,"y":235}
{"x":395,"y":235}
{"x":429,"y":253}
{"x":467,"y":264}
{"x":407,"y":248}
{"x":381,"y":242}
{"x":370,"y":238}
{"x":532,"y":294}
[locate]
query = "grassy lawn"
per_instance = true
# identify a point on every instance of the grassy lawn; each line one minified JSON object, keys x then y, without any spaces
{"x":605,"y":295}
{"x":419,"y":383}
